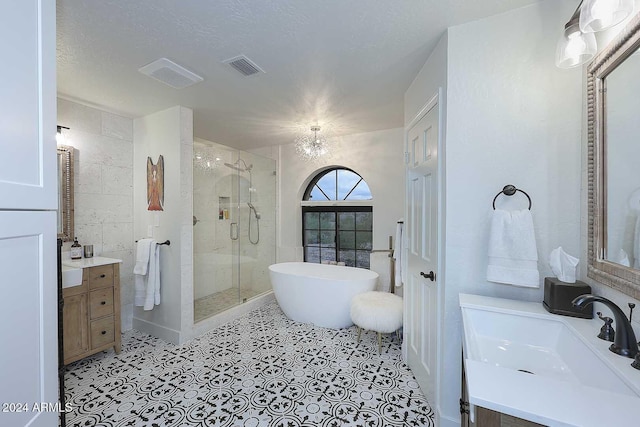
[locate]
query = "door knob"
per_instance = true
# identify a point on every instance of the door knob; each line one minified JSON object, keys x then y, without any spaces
{"x":431,"y":276}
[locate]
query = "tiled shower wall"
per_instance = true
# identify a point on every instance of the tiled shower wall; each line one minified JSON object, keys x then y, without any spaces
{"x":103,"y":187}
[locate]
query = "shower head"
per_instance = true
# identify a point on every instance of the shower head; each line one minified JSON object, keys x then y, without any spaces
{"x":236,"y":166}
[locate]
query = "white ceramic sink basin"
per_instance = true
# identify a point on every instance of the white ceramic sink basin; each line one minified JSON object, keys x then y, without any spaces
{"x":538,"y":346}
{"x":549,"y":369}
{"x":71,"y":276}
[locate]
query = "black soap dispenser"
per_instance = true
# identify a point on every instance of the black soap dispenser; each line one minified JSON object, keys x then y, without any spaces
{"x":76,"y":249}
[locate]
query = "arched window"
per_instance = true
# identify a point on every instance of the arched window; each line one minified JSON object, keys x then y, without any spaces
{"x":334,"y":230}
{"x":337,"y":184}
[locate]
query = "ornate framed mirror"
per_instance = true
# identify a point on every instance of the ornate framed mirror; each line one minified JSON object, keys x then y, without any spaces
{"x":613,"y":163}
{"x":65,"y":193}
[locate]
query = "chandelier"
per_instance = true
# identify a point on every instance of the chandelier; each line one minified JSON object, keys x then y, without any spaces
{"x":312,"y":147}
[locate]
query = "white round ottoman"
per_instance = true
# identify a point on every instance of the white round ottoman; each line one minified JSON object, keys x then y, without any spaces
{"x":377,"y":311}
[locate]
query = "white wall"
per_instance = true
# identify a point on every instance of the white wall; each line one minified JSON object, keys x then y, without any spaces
{"x":431,"y":77}
{"x":512,"y":117}
{"x":168,"y":133}
{"x":103,"y":188}
{"x":376,"y":156}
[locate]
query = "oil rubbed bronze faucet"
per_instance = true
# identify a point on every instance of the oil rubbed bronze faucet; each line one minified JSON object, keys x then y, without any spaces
{"x":625,"y":343}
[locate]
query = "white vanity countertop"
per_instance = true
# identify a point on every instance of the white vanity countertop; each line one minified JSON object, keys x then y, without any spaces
{"x":546,"y":400}
{"x":90,"y":262}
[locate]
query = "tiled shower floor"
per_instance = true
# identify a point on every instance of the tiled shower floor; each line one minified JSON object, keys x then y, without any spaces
{"x":259,"y":370}
{"x":215,"y":303}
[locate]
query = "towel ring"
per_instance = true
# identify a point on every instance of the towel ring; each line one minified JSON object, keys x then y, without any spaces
{"x":510,"y":190}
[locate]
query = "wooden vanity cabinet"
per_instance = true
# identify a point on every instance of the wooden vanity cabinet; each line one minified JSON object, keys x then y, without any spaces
{"x":91,"y":313}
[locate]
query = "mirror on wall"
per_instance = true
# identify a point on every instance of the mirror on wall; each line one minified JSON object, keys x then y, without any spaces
{"x":65,"y":192}
{"x":613,"y":172}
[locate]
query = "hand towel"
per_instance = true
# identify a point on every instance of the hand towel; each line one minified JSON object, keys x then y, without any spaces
{"x":147,"y":285}
{"x":397,"y":254}
{"x":513,"y":255}
{"x":380,"y":263}
{"x":623,"y":258}
{"x":636,"y":243}
{"x":142,"y":256}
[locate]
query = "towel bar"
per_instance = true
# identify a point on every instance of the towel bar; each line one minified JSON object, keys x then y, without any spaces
{"x":510,"y":190}
{"x":166,"y":242}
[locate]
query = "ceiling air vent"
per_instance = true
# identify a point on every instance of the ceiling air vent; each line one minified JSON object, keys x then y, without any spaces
{"x":170,"y":73}
{"x":243,"y":65}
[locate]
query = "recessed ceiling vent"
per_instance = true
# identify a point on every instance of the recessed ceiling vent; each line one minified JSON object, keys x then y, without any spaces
{"x":244,"y":65}
{"x":170,"y":73}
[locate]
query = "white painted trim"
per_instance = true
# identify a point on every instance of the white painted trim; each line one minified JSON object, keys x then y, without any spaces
{"x":424,"y":110}
{"x":338,"y":203}
{"x":162,"y":332}
{"x":444,"y":421}
{"x":441,"y":246}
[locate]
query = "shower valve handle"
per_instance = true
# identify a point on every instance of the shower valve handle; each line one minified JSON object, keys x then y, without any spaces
{"x":233,"y":227}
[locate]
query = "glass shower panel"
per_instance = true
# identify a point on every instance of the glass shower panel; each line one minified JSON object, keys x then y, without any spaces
{"x":234,"y":226}
{"x":215,"y":194}
{"x":257,"y":215}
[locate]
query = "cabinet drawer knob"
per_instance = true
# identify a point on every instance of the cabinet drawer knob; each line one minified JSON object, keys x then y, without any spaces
{"x":102,"y":276}
{"x":104,"y":332}
{"x":103,"y":302}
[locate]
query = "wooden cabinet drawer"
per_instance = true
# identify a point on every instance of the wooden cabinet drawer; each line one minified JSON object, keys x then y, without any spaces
{"x":100,"y":303}
{"x":102,"y":332}
{"x":100,"y":276}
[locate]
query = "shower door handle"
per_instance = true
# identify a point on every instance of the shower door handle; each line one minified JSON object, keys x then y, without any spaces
{"x":233,"y":235}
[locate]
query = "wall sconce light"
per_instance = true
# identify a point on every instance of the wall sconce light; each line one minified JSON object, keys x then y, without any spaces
{"x":598,"y":15}
{"x":577,"y":45}
{"x":60,"y":138}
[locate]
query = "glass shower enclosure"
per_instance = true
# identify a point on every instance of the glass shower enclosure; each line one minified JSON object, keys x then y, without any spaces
{"x":234,"y":205}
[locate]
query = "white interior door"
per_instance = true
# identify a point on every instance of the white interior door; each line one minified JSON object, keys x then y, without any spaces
{"x":28,"y":200}
{"x":421,"y":302}
{"x":28,"y":326}
{"x":28,"y":105}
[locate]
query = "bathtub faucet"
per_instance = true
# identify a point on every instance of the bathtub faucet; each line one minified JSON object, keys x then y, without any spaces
{"x":625,"y":343}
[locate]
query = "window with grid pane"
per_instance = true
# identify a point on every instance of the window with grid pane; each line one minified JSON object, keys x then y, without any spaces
{"x":337,"y":184}
{"x":337,"y":233}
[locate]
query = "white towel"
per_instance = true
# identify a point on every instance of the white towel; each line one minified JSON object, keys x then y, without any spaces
{"x":142,"y":256}
{"x":513,"y":255}
{"x":147,"y":285}
{"x":623,"y":258}
{"x":397,"y":253}
{"x":636,"y":243}
{"x":380,"y":263}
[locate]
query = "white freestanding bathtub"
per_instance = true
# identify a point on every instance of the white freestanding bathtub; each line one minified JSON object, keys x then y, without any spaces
{"x":319,"y":293}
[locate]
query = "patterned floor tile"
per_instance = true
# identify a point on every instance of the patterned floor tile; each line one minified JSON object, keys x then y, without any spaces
{"x":261,"y":370}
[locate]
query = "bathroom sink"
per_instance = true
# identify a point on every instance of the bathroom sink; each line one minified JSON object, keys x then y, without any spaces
{"x":71,"y":276}
{"x":536,"y":346}
{"x":523,"y":361}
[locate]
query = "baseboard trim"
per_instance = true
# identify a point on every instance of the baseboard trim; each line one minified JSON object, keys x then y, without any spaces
{"x":444,"y":421}
{"x":162,"y":332}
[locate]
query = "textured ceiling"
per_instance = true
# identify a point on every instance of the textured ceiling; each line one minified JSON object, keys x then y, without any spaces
{"x":342,"y":64}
